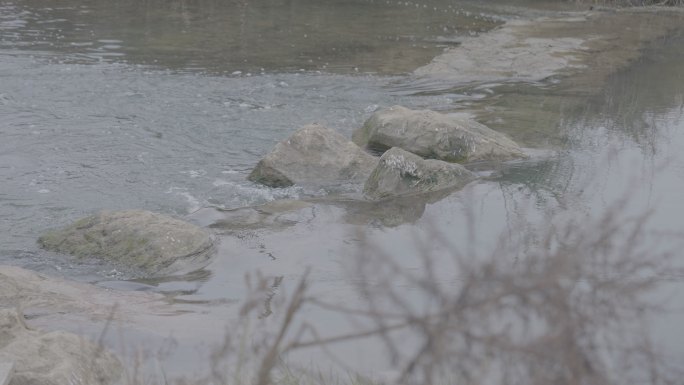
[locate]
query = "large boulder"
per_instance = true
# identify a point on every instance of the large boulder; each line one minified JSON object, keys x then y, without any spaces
{"x":402,"y":173}
{"x":434,"y":135}
{"x":53,"y":358}
{"x":151,"y":243}
{"x":313,"y":155}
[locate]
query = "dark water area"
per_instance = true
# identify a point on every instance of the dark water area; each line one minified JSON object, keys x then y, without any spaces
{"x":167,"y":105}
{"x":244,"y":37}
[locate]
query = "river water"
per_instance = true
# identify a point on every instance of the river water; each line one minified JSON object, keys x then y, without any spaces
{"x":98,"y":98}
{"x":167,"y":105}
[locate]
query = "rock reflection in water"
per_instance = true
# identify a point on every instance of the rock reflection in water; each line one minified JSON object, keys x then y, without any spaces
{"x":275,"y":215}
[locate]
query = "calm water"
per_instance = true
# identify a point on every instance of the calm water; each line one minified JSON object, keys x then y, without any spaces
{"x":247,"y":36}
{"x":167,"y":105}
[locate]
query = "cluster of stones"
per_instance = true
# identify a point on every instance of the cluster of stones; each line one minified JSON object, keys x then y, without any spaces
{"x":422,"y":152}
{"x":151,"y":244}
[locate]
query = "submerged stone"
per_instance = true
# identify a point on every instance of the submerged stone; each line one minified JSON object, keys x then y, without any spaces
{"x":401,"y":173}
{"x":314,"y":154}
{"x":152,"y":243}
{"x":274,"y":215}
{"x":434,"y":135}
{"x":53,"y":358}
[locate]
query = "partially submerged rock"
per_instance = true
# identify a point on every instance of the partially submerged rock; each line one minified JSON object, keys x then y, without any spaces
{"x":152,"y":243}
{"x":434,"y":135}
{"x":53,"y":358}
{"x":50,"y":300}
{"x":54,"y":303}
{"x":400,"y":173}
{"x":275,"y":215}
{"x":313,"y":155}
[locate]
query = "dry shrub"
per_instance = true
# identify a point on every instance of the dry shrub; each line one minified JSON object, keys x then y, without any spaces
{"x":572,"y":310}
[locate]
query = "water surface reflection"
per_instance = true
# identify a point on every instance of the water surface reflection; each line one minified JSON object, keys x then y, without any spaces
{"x":79,"y":137}
{"x":245,"y":36}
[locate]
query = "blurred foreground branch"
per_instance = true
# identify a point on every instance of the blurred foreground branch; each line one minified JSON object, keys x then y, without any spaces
{"x":574,"y":310}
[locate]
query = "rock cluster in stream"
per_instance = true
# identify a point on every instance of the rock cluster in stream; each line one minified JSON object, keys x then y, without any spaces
{"x":423,"y":152}
{"x":422,"y":148}
{"x":315,"y":154}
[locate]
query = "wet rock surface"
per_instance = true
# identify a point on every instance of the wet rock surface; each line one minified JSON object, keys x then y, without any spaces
{"x":53,"y":358}
{"x":401,"y":173}
{"x":151,"y":243}
{"x":123,"y":320}
{"x":434,"y":135}
{"x":42,"y":296}
{"x":314,"y":154}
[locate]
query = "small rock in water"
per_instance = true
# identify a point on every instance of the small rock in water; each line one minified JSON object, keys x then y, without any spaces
{"x":153,"y":243}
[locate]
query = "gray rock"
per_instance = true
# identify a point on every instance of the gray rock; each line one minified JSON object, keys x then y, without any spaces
{"x":53,"y":358}
{"x":401,"y":173}
{"x":313,"y":155}
{"x":434,"y":135}
{"x":152,"y":243}
{"x":46,"y":300}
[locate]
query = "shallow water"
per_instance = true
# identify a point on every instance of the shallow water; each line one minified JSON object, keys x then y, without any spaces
{"x":166,"y":106}
{"x":246,"y":36}
{"x":107,"y":105}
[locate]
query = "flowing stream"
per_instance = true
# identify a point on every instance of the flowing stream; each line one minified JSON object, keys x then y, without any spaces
{"x":167,"y":106}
